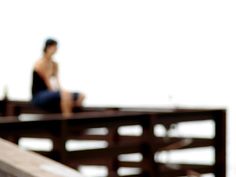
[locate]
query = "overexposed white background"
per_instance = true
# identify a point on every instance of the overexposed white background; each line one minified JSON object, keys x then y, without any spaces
{"x":127,"y":52}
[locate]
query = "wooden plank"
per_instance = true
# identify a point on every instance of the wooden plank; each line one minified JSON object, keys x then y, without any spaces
{"x":174,"y":170}
{"x":20,"y":163}
{"x":15,"y":108}
{"x":59,"y":130}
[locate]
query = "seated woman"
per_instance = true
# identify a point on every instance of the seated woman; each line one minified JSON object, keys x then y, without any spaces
{"x":44,"y":95}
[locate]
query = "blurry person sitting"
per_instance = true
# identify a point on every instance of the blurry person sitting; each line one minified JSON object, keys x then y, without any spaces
{"x":44,"y":94}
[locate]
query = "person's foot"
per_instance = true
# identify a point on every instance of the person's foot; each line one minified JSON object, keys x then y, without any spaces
{"x":67,"y":115}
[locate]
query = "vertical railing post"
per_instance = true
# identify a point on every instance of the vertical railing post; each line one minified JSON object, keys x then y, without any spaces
{"x":150,"y":167}
{"x":59,"y":142}
{"x":220,"y":143}
{"x":113,"y":140}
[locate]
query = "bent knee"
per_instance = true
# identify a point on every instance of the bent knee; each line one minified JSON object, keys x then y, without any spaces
{"x":82,"y":96}
{"x":65,"y":95}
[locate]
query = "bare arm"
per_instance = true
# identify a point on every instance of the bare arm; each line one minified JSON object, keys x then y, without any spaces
{"x":56,"y":74}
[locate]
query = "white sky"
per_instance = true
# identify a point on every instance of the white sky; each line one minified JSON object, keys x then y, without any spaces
{"x":127,"y":52}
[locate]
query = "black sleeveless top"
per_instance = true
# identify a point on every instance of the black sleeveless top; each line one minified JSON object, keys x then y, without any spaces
{"x":38,"y":84}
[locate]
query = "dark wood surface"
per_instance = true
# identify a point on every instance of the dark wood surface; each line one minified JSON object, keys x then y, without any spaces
{"x":60,"y":130}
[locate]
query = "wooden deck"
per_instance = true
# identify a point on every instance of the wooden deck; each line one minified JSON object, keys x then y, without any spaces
{"x":15,"y":162}
{"x":60,"y":130}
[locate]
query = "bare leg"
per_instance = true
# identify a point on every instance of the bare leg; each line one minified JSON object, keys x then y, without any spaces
{"x":79,"y":101}
{"x":66,"y":103}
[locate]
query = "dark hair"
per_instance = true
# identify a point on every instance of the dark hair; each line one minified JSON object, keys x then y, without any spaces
{"x":49,"y":43}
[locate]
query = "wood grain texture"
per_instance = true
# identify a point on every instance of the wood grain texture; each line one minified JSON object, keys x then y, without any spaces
{"x":20,"y":163}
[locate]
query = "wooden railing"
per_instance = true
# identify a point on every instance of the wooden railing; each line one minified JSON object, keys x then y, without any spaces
{"x":15,"y":108}
{"x":60,"y":130}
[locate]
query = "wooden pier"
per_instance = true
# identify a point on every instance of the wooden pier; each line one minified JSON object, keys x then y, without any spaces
{"x":61,"y":130}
